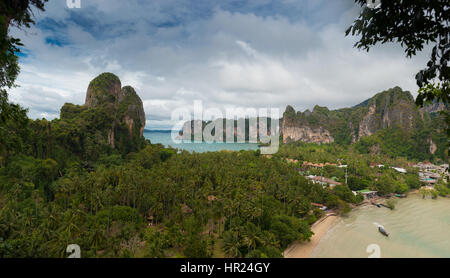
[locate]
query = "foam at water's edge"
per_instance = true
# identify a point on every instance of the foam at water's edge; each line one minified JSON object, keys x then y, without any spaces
{"x":378,"y":225}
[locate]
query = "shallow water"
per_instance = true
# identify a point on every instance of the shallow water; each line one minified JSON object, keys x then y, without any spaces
{"x":416,"y":227}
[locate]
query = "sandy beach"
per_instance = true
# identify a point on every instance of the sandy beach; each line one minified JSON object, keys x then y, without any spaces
{"x":304,"y":249}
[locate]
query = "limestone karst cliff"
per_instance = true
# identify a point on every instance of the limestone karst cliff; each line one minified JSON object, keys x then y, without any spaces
{"x":393,"y":109}
{"x":113,"y":115}
{"x":391,"y":114}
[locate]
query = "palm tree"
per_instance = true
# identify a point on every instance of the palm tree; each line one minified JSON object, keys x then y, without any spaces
{"x":97,"y":238}
{"x":58,"y":245}
{"x":218,"y":213}
{"x":251,"y":237}
{"x":268,"y":239}
{"x":231,"y":244}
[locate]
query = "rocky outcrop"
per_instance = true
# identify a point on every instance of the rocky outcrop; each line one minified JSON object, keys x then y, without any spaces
{"x":433,"y":147}
{"x":122,"y":105}
{"x":241,"y":130}
{"x":375,"y":149}
{"x":388,"y":109}
{"x":309,"y":127}
{"x":366,"y":126}
{"x":306,"y":134}
{"x":111,"y":115}
{"x":392,"y":108}
{"x":131,"y":110}
{"x":104,"y":89}
{"x":390,"y":113}
{"x":435,"y":107}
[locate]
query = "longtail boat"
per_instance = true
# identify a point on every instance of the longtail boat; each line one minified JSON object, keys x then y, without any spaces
{"x":382,"y":231}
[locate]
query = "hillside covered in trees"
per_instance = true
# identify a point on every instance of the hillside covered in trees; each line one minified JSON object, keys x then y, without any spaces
{"x":389,"y":123}
{"x":90,"y":178}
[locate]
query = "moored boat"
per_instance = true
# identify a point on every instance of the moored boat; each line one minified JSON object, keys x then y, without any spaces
{"x":382,"y":231}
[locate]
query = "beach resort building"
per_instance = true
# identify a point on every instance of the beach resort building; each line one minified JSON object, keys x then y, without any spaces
{"x":320,"y":206}
{"x":323,"y":181}
{"x":366,"y":193}
{"x":400,"y":170}
{"x":430,"y":174}
{"x":424,"y":166}
{"x":318,"y":165}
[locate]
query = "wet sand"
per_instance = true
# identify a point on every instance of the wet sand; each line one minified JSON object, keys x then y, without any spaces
{"x":304,"y":249}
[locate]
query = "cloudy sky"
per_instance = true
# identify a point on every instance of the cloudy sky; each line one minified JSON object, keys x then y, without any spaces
{"x":255,"y":53}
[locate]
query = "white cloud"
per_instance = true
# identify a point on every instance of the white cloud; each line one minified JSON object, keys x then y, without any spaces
{"x":224,"y":58}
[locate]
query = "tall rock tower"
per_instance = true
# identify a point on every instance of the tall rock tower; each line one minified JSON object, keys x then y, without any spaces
{"x":121,"y":108}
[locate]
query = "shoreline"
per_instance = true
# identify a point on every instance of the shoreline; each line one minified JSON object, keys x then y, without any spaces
{"x":322,"y":226}
{"x":304,"y":249}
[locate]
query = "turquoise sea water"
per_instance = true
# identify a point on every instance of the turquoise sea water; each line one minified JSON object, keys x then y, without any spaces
{"x":165,"y":138}
{"x":418,"y":228}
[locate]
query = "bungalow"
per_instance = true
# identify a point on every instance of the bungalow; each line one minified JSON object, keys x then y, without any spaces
{"x":185,"y":209}
{"x":320,"y":206}
{"x":291,"y":160}
{"x":429,"y":178}
{"x":432,"y":175}
{"x":323,"y":181}
{"x":318,"y":165}
{"x":374,"y":164}
{"x":400,"y":170}
{"x":429,"y":181}
{"x":367,"y":194}
{"x":426,"y":166}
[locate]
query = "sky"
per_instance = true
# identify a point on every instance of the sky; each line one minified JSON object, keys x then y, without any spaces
{"x":227,"y":53}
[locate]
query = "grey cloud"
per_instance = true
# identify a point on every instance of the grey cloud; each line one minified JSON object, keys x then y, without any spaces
{"x":172,"y":55}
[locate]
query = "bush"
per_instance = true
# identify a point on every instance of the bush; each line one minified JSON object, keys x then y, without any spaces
{"x":401,"y":188}
{"x":413,"y":181}
{"x":344,"y":207}
{"x":119,"y":213}
{"x":265,"y":252}
{"x":391,"y":203}
{"x":287,"y":229}
{"x":196,"y":247}
{"x":442,"y":189}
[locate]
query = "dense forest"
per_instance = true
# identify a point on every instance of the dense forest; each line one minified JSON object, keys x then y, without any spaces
{"x":59,"y":185}
{"x":157,"y":203}
{"x":90,"y":178}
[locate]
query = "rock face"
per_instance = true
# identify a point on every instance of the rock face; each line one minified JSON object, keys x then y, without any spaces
{"x":391,"y":114}
{"x":309,"y":127}
{"x":306,"y":134}
{"x":392,"y":108}
{"x":388,"y":109}
{"x":121,"y":109}
{"x":131,"y":109}
{"x":104,"y":89}
{"x":367,"y":126}
{"x":435,"y":107}
{"x":433,"y":147}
